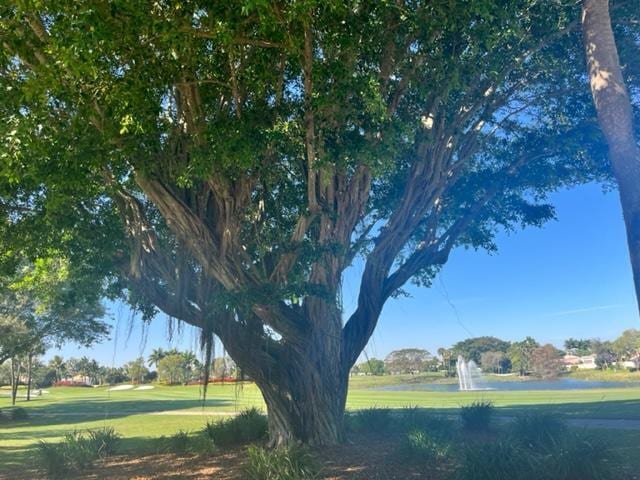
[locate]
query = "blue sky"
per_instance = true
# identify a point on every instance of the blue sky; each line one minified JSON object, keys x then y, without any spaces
{"x":570,"y":278}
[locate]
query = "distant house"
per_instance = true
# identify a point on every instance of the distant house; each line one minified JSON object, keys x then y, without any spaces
{"x":571,"y":361}
{"x":586,"y":362}
{"x":633,"y":362}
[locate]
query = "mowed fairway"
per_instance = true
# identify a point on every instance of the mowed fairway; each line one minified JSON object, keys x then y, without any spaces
{"x":140,"y":416}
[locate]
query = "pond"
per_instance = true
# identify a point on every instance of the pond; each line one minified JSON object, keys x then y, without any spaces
{"x":553,"y":384}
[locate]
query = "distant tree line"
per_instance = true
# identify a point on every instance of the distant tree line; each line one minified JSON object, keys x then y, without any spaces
{"x":493,"y":355}
{"x":167,"y":366}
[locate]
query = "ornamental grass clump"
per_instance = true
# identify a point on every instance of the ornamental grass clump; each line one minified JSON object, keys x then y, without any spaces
{"x":249,"y":426}
{"x":50,"y":458}
{"x":421,"y":447}
{"x":371,"y":420}
{"x":571,"y":456}
{"x":280,"y":464}
{"x":414,"y":418}
{"x":76,"y":452}
{"x":578,"y":456}
{"x":105,"y":441}
{"x":538,"y":430}
{"x":501,"y":460}
{"x":477,"y":416}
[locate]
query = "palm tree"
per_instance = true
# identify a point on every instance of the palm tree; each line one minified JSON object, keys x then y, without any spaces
{"x":615,"y":116}
{"x":58,"y":365}
{"x":191,"y":364}
{"x":156,"y":355}
{"x":446,"y":359}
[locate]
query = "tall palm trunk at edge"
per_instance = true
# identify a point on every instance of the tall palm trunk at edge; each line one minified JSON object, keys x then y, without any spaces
{"x":615,"y":116}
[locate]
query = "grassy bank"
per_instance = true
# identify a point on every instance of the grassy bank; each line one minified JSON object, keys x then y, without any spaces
{"x":606,"y":375}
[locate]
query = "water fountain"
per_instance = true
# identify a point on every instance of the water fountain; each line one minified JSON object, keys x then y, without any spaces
{"x":469,"y":375}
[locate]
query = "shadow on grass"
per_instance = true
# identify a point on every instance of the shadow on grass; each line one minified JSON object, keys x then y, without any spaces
{"x":100,"y":409}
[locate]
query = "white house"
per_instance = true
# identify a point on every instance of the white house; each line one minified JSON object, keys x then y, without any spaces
{"x":587,"y":362}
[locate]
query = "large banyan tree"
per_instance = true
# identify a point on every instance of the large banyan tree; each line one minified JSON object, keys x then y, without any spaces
{"x":226,"y":162}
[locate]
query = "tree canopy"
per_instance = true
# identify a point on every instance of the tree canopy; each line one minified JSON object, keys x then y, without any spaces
{"x":225,"y":163}
{"x":473,"y":348}
{"x":407,"y":360}
{"x":44,"y":303}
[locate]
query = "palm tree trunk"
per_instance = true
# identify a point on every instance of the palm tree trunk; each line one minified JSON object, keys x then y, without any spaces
{"x":615,"y":116}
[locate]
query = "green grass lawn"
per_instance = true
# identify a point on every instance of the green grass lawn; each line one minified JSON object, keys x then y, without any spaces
{"x":143,"y":415}
{"x":606,"y":375}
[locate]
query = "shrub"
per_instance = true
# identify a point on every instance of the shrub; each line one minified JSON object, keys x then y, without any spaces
{"x":78,"y":451}
{"x":572,"y":457}
{"x":183,"y":442}
{"x":370,"y":420}
{"x":477,"y":416}
{"x":249,"y":426}
{"x":104,"y":441}
{"x":501,"y":460}
{"x":421,"y":447}
{"x":19,"y":413}
{"x":178,"y":443}
{"x":538,"y":430}
{"x":414,"y":418}
{"x":51,"y":459}
{"x":280,"y":464}
{"x":578,"y":456}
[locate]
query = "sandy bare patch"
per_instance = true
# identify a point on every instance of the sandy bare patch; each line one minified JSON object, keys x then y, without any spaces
{"x":120,"y":387}
{"x":145,"y":387}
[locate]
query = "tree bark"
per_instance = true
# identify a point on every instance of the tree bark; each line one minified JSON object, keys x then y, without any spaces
{"x":615,"y":116}
{"x":304,"y":385}
{"x":15,"y":379}
{"x":29,"y":368}
{"x":308,"y":407}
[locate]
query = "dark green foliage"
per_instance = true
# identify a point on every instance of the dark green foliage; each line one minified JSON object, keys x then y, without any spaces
{"x":422,"y":447}
{"x":415,"y":418}
{"x":502,"y":460}
{"x":178,"y":443}
{"x":105,"y":441}
{"x":280,"y":464}
{"x":183,"y":443}
{"x":477,"y":416}
{"x":50,"y":458}
{"x":370,"y":420}
{"x":18,"y":414}
{"x":407,"y":360}
{"x":570,"y":457}
{"x":473,"y":348}
{"x":249,"y":426}
{"x":538,"y":430}
{"x":578,"y":456}
{"x":76,"y":452}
